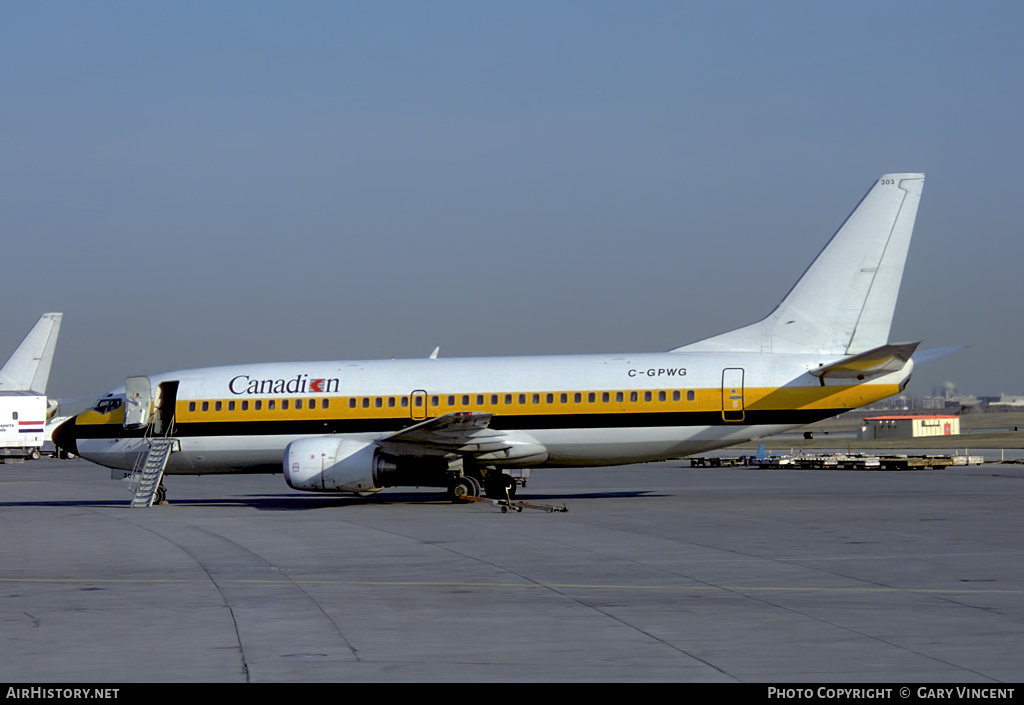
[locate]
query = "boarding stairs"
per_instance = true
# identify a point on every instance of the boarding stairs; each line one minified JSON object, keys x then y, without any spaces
{"x":148,"y":474}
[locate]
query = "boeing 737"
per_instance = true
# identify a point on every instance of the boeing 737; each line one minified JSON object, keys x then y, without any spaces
{"x":471,"y":424}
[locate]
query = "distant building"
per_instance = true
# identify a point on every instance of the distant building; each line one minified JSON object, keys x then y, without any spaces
{"x":957,"y":402}
{"x":1008,"y":400}
{"x":921,"y":425}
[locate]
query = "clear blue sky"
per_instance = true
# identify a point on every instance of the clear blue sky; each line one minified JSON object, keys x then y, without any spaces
{"x":199,"y":183}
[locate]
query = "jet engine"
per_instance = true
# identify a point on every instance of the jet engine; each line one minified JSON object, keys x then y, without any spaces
{"x":329,"y":464}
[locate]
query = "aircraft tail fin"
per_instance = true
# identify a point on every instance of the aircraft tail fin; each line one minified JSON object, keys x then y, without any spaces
{"x":844,"y":302}
{"x":28,"y":368}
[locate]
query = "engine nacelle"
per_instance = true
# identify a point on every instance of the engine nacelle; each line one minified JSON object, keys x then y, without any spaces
{"x":329,"y":464}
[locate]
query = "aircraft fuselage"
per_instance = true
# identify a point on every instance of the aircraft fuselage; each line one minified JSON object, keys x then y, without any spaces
{"x":583,"y":409}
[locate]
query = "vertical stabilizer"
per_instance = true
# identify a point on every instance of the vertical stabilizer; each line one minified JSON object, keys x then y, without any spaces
{"x":28,"y":369}
{"x":844,"y":303}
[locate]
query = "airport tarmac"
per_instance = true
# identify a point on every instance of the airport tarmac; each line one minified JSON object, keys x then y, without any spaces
{"x":658,"y":572}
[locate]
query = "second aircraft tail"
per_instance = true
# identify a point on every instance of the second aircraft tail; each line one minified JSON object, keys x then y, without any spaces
{"x":28,"y":368}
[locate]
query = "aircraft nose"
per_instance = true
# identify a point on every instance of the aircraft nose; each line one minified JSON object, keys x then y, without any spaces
{"x":65,"y":436}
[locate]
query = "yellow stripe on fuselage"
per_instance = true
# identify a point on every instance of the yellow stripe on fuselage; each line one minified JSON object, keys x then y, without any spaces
{"x":522,"y":404}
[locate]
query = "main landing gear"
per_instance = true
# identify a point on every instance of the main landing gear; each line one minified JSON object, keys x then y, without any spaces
{"x":495,"y":486}
{"x":500,"y":490}
{"x":461,"y":488}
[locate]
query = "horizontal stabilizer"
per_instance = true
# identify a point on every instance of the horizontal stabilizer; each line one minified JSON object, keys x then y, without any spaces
{"x":935,"y":353}
{"x":880,"y":361}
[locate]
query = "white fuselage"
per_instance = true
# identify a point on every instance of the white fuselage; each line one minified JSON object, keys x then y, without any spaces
{"x":584,"y":409}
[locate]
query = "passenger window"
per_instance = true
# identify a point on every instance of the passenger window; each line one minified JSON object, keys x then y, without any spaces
{"x":216,"y":406}
{"x":605,"y":396}
{"x":191,"y":406}
{"x":675,"y":395}
{"x":352,"y":402}
{"x":258,"y":405}
{"x":231,"y":406}
{"x":434,"y":401}
{"x":284,"y":405}
{"x":391,"y":402}
{"x":206,"y":406}
{"x":451,"y":400}
{"x":508,"y":398}
{"x":271,"y":405}
{"x":618,"y":396}
{"x":632,"y":396}
{"x":298,"y":404}
{"x":494,"y":399}
{"x":577,"y":397}
{"x":405,"y":402}
{"x":550,"y":398}
{"x":366,"y":402}
{"x":14,"y":415}
{"x":378,"y":402}
{"x":690,"y":395}
{"x":325,"y":403}
{"x":647,"y":396}
{"x":536,"y":398}
{"x":591,"y":397}
{"x":661,"y":396}
{"x":465,"y":400}
{"x":245,"y":405}
{"x":522,"y":398}
{"x":479,"y":399}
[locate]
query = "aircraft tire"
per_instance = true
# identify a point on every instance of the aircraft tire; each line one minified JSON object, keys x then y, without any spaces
{"x":464,"y":486}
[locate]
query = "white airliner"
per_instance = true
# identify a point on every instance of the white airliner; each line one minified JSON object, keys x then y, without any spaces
{"x":468,"y":424}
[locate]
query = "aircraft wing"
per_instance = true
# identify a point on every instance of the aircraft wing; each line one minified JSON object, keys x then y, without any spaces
{"x":463,"y":432}
{"x":879,"y":361}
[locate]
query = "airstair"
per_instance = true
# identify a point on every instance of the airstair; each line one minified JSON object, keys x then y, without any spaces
{"x":150,"y":471}
{"x":155,"y":414}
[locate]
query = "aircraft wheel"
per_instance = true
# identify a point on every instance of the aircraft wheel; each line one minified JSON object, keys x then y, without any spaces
{"x":463,"y":487}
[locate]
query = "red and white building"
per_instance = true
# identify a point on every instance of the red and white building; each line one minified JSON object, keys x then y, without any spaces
{"x":920,"y":425}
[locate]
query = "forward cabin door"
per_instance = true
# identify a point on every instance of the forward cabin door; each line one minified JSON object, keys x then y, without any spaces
{"x":732,"y":394}
{"x":138,"y":397}
{"x":167,"y":398}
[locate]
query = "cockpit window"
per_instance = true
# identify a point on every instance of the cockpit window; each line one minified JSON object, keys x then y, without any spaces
{"x":108,"y":404}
